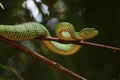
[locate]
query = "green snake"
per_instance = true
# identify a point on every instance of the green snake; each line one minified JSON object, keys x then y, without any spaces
{"x":64,"y":31}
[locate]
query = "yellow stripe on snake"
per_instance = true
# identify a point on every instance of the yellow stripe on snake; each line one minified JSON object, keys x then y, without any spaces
{"x":64,"y":31}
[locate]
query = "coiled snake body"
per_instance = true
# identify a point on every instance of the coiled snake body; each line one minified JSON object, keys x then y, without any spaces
{"x":64,"y":30}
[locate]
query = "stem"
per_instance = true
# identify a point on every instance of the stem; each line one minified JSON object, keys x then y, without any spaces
{"x":81,"y":43}
{"x":50,"y":62}
{"x":41,"y":58}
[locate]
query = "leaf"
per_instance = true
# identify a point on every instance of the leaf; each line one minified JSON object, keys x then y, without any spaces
{"x":1,"y":6}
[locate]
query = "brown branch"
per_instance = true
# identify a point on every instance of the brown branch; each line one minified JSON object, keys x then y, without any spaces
{"x":81,"y":43}
{"x":41,"y":58}
{"x":50,"y":62}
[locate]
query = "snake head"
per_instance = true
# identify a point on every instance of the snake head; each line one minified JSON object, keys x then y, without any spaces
{"x":88,"y":33}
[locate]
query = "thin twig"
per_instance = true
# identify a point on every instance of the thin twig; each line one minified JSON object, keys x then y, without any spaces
{"x":16,"y":73}
{"x":81,"y":43}
{"x":41,"y":58}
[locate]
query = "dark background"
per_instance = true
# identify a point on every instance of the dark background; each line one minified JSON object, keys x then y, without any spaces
{"x":91,"y":62}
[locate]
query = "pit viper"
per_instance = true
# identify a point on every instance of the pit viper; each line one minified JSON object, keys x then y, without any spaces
{"x":63,"y":30}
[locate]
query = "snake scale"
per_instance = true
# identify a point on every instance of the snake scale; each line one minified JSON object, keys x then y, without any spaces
{"x":64,"y":31}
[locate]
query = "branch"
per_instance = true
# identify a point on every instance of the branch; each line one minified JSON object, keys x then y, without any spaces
{"x":80,"y":43}
{"x":41,"y":58}
{"x":50,"y":62}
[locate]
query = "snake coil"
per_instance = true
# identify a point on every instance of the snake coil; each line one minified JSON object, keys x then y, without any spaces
{"x":64,"y":31}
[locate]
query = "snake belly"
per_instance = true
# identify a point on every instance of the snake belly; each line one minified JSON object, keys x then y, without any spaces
{"x":31,"y":30}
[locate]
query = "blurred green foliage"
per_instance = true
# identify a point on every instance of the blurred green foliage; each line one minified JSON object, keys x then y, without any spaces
{"x":90,"y":62}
